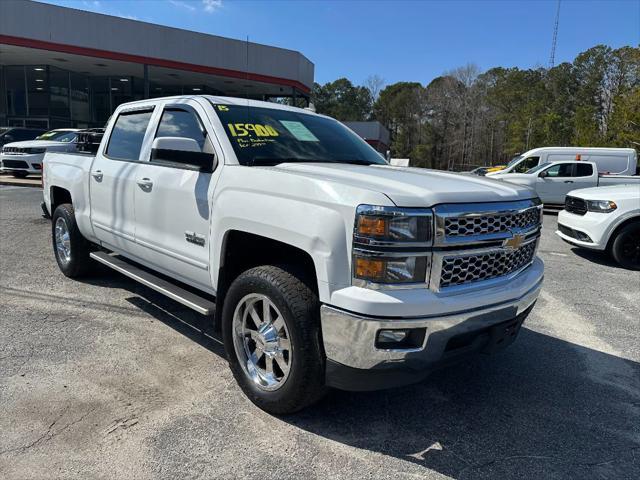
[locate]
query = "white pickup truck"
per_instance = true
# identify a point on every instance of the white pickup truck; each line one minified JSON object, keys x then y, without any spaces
{"x":322,"y":265}
{"x":553,"y":180}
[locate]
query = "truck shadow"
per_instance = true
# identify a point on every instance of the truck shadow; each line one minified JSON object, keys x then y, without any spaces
{"x":544,"y":408}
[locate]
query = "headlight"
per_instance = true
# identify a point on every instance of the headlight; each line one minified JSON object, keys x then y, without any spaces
{"x":602,"y":206}
{"x":389,"y":270}
{"x":35,"y":150}
{"x":381,"y":238}
{"x":390,"y":225}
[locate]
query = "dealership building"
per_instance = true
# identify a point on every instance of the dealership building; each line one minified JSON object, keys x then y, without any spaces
{"x":62,"y":67}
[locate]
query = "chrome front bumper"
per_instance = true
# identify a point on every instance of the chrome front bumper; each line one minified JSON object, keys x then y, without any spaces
{"x":350,"y":339}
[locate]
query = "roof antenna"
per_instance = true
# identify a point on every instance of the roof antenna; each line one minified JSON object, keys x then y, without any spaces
{"x":246,"y":83}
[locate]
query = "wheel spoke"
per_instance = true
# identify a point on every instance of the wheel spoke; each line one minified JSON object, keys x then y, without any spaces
{"x":284,"y":344}
{"x":254,"y":335}
{"x":278,"y":323}
{"x":266,"y":311}
{"x":268,"y":364}
{"x":255,"y":317}
{"x":257,"y":354}
{"x":284,"y":366}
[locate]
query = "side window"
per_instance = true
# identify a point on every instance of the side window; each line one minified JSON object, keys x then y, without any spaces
{"x":584,"y":170}
{"x":527,"y":164}
{"x":559,"y":170}
{"x":127,"y":135}
{"x":181,"y":123}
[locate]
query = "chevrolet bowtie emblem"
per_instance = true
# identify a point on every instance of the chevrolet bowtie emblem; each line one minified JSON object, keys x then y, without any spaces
{"x":514,"y":242}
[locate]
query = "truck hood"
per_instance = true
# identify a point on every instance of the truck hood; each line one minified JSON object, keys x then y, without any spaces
{"x":519,"y":178}
{"x":413,"y":187}
{"x":614,"y":192}
{"x":37,"y":144}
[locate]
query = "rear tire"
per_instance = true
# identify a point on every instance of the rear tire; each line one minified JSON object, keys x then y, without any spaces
{"x":285,"y":333}
{"x":70,"y":248}
{"x":626,"y":246}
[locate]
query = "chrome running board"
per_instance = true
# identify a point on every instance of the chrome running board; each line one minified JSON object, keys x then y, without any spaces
{"x":174,"y":292}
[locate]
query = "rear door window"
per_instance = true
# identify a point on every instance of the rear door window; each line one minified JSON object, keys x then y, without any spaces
{"x":583,"y":170}
{"x":127,"y":135}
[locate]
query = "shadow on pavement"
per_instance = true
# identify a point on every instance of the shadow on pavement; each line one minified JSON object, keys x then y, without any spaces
{"x":544,"y":408}
{"x":601,"y":258}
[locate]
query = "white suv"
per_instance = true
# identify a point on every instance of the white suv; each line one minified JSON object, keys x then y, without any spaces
{"x":604,"y":218}
{"x":25,"y":158}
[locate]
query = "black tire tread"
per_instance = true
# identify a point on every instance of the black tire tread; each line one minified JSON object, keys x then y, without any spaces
{"x":616,"y":245}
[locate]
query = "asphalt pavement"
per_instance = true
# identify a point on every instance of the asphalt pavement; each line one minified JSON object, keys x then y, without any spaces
{"x":104,"y":378}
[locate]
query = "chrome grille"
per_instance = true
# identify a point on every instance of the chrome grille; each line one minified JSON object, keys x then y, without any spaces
{"x":463,"y":269}
{"x":476,"y":242}
{"x":575,"y":205}
{"x":485,"y":224}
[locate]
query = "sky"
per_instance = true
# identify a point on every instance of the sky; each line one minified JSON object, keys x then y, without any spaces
{"x":402,"y":40}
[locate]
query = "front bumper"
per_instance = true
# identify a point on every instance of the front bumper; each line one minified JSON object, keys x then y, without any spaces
{"x":354,"y":362}
{"x":593,"y":224}
{"x":30,"y":163}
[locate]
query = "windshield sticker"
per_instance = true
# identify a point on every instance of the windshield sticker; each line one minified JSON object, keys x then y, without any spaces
{"x":251,"y":129}
{"x":298,"y":130}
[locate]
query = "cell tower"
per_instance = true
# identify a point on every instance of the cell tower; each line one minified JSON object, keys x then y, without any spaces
{"x":552,"y":60}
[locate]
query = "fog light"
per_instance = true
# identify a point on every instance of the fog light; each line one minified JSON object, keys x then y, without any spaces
{"x":399,"y":339}
{"x":37,"y":166}
{"x":392,"y":335}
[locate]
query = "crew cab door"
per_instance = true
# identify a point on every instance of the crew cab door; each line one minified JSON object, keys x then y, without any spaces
{"x":172,"y":200}
{"x":112,"y":180}
{"x":555,"y":182}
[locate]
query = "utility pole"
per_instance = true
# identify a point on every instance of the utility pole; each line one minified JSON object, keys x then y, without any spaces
{"x":552,"y":60}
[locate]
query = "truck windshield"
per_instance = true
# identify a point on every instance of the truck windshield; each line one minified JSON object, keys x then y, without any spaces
{"x":538,"y":168}
{"x":58,"y":136}
{"x":515,"y":160}
{"x":269,"y":136}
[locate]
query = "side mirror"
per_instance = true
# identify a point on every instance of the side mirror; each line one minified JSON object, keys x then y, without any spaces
{"x":181,"y":152}
{"x":542,"y":174}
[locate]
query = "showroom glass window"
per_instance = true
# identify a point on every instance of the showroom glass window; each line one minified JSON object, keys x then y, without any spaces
{"x":16,"y":91}
{"x":127,"y":135}
{"x":59,"y":90}
{"x":37,"y":91}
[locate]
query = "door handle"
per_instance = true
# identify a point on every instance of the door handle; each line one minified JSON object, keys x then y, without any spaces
{"x":145,"y":184}
{"x":568,"y":181}
{"x":97,"y":175}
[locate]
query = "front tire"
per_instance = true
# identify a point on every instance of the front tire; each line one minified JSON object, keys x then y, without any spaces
{"x":271,"y":331}
{"x":71,"y":249}
{"x":626,"y":246}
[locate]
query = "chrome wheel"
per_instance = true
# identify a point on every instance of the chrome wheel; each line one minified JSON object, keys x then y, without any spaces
{"x":261,"y":341}
{"x":63,"y":240}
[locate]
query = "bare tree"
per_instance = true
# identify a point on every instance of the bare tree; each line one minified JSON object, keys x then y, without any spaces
{"x":374,"y":84}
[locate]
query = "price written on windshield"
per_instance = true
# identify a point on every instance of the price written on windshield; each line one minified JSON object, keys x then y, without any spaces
{"x":251,"y":129}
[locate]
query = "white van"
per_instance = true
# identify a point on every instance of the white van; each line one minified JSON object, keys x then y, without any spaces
{"x":613,"y":161}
